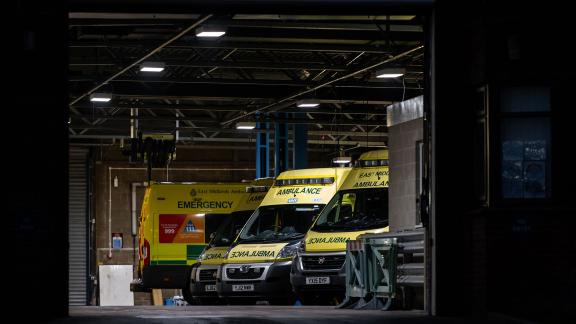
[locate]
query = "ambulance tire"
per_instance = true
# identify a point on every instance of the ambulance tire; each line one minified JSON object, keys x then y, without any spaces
{"x":188,"y":295}
{"x":186,"y":292}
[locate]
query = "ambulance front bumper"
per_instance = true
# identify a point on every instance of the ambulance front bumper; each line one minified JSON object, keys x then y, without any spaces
{"x":255,"y":280}
{"x":203,"y":283}
{"x":333,"y":278}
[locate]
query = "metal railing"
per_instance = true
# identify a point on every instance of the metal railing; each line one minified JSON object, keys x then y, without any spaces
{"x":377,"y":265}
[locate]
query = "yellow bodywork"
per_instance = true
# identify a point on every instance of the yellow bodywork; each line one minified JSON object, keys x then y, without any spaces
{"x":333,"y":241}
{"x":306,"y":193}
{"x":214,"y":255}
{"x":289,"y":194}
{"x":172,"y":220}
{"x":249,"y":253}
{"x":358,"y":178}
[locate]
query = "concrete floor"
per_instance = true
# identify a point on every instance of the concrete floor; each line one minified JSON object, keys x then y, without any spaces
{"x":252,"y":315}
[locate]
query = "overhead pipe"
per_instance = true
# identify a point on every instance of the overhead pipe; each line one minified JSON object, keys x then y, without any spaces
{"x":133,"y":122}
{"x":109,"y":212}
{"x":324,"y":84}
{"x":152,"y":52}
{"x":134,"y":210}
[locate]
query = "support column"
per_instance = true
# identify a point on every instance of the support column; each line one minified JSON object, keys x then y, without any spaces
{"x":300,"y":146}
{"x":280,"y":145}
{"x":263,"y":151}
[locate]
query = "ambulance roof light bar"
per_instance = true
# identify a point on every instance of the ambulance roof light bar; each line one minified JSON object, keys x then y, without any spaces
{"x":372,"y":163}
{"x":252,"y":189}
{"x":289,"y":182}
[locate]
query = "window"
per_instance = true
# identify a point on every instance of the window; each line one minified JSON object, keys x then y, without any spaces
{"x":525,"y":142}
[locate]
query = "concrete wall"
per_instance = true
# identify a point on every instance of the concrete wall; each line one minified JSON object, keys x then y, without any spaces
{"x":402,"y":144}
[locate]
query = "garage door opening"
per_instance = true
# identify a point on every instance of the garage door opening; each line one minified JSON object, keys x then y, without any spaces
{"x":240,"y":96}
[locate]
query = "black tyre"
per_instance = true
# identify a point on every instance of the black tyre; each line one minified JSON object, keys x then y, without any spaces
{"x":186,"y":291}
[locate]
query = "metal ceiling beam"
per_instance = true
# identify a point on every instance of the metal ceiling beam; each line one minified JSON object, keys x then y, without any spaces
{"x":130,"y":16}
{"x":194,"y":44}
{"x":263,"y":97}
{"x":226,"y":65}
{"x":152,"y":52}
{"x":135,"y":19}
{"x":211,"y":121}
{"x":200,"y":130}
{"x":160,"y":107}
{"x":236,"y":140}
{"x":401,"y":55}
{"x":284,"y":83}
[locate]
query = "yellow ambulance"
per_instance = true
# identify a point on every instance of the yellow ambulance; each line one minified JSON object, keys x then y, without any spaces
{"x":359,"y":207}
{"x":202,"y":282}
{"x":176,"y":222}
{"x":257,"y":265}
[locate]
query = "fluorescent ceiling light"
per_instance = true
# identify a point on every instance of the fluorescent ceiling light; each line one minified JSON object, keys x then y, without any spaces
{"x":211,"y":34}
{"x":100,"y":97}
{"x":210,"y":31}
{"x":152,"y":67}
{"x":308,"y":103}
{"x":245,"y":125}
{"x":342,"y":160}
{"x":390,"y":73}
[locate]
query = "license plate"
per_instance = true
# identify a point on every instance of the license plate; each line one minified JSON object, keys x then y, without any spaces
{"x":242,"y":287}
{"x":317,"y":280}
{"x":210,"y":288}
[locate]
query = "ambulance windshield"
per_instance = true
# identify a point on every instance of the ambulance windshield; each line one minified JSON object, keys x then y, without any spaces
{"x":277,"y":223}
{"x":227,"y":232}
{"x":351,"y":210}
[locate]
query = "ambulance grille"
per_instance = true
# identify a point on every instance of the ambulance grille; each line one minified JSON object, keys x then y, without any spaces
{"x":207,"y":275}
{"x":234,"y":273}
{"x":323,"y":262}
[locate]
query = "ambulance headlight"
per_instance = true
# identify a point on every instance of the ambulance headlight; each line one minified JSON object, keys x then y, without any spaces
{"x":302,"y":246}
{"x":289,"y":251}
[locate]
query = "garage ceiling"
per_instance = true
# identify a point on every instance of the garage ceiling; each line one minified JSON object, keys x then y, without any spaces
{"x":255,"y":72}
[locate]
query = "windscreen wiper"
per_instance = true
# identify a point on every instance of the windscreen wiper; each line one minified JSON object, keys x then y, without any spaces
{"x":290,"y":236}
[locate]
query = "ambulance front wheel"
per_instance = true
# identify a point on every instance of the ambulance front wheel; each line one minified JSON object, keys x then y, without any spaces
{"x":186,"y":291}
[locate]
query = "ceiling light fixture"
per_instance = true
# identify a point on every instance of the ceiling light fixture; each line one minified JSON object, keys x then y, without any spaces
{"x":342,"y":160}
{"x":390,"y":73}
{"x":100,"y":97}
{"x":152,"y":67}
{"x":308,"y":103}
{"x":245,"y":125}
{"x":210,"y":31}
